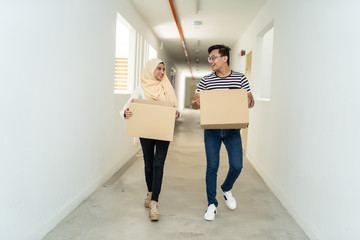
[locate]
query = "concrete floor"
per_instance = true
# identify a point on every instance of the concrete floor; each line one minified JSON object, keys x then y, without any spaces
{"x":116,"y":210}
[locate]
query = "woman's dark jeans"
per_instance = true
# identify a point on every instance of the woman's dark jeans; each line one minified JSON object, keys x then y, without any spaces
{"x":154,"y":152}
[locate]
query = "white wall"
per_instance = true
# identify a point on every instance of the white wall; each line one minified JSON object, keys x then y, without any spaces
{"x":61,"y":135}
{"x":190,"y":82}
{"x":304,"y":142}
{"x":180,"y":87}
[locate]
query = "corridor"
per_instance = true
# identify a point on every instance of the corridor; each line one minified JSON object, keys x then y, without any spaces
{"x":115,"y":211}
{"x":68,"y":170}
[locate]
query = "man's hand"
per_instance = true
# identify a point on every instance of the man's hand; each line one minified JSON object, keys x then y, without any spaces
{"x":195,"y":102}
{"x":251,"y":101}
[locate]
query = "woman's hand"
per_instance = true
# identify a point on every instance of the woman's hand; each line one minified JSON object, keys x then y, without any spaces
{"x":177,"y":115}
{"x":127,"y":113}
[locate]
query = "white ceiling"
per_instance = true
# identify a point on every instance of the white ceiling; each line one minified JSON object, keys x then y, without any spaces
{"x":222,"y":22}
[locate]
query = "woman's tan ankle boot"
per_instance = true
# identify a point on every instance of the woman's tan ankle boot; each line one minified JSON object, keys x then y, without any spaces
{"x":154,"y":211}
{"x":147,"y":199}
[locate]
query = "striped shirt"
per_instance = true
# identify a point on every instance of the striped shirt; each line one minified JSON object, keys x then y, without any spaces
{"x":235,"y":80}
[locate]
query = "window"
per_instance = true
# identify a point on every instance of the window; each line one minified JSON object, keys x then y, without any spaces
{"x":124,"y":59}
{"x":132,"y":53}
{"x":152,"y":53}
{"x":144,"y":52}
{"x":262,"y":83}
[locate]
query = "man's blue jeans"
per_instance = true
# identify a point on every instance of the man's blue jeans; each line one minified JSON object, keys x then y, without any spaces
{"x":232,"y":141}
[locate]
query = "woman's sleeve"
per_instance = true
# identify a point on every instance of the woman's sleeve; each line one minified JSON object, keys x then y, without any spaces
{"x":179,"y":110}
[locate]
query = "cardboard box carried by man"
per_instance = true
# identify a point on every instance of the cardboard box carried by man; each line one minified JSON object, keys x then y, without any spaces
{"x":224,"y":109}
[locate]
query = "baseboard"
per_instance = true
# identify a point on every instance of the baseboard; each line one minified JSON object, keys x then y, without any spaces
{"x":46,"y":227}
{"x":309,"y":231}
{"x":122,"y":169}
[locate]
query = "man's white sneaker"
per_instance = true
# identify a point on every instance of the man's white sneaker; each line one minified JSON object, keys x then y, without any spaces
{"x":210,"y":213}
{"x":229,"y":199}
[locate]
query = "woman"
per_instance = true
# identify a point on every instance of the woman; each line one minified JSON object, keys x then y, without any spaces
{"x":154,"y":86}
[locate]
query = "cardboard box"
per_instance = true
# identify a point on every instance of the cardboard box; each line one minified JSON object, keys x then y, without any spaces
{"x":151,"y":119}
{"x":224,"y":109}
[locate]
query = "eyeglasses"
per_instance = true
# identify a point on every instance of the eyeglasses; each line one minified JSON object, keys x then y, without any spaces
{"x":212,"y":58}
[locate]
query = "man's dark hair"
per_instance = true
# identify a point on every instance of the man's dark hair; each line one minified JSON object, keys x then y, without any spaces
{"x":223,"y":50}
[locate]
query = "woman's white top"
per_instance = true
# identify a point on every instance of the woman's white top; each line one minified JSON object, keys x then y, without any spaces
{"x":137,"y":94}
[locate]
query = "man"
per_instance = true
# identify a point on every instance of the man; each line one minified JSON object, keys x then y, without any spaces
{"x":222,"y":77}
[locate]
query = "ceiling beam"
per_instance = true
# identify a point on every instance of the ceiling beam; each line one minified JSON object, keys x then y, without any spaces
{"x":181,"y":36}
